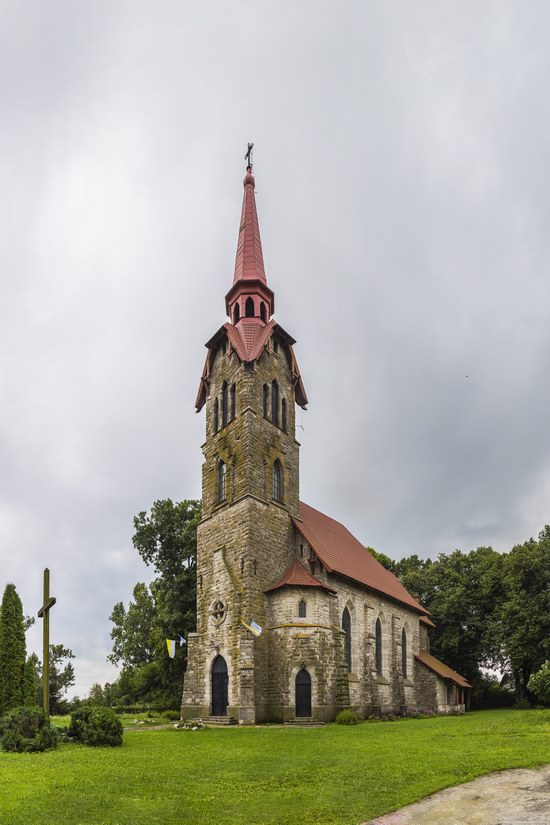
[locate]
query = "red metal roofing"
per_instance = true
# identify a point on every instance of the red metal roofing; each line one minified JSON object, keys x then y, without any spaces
{"x":442,"y":670}
{"x":298,"y":576}
{"x":249,"y":346}
{"x":340,"y":552}
{"x":249,"y":262}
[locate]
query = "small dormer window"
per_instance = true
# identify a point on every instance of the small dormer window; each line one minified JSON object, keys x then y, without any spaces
{"x":249,"y":308}
{"x":262,"y":311}
{"x":236,"y":313}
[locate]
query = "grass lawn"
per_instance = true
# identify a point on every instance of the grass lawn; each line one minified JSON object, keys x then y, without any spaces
{"x":333,"y":775}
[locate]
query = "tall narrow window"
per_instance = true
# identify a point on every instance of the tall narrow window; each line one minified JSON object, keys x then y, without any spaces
{"x":275,"y":402}
{"x":266,"y":400}
{"x":236,"y":313}
{"x":233,"y":401}
{"x":225,"y":403}
{"x":216,"y":415}
{"x":262,"y":311}
{"x":302,"y":610}
{"x":283,"y":414}
{"x":249,"y":308}
{"x":404,"y":652}
{"x":222,"y":481}
{"x":346,"y":627}
{"x":379,"y":647}
{"x":277,"y":481}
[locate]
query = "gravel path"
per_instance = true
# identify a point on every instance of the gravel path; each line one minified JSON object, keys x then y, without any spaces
{"x":520,"y":797}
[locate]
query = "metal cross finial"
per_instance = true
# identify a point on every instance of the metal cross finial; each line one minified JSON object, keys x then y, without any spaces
{"x":248,"y":156}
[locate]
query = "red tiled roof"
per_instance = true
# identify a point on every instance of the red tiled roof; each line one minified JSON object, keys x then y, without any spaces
{"x":298,"y":576}
{"x":249,"y":339}
{"x":442,"y":670}
{"x":249,"y":262}
{"x":340,"y":552}
{"x":427,"y":621}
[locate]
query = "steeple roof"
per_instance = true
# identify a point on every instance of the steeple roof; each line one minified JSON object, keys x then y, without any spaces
{"x":297,"y":576}
{"x":249,"y":279}
{"x":249,"y":262}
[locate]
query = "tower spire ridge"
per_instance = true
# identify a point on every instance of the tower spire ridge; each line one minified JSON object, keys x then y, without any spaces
{"x":249,"y":297}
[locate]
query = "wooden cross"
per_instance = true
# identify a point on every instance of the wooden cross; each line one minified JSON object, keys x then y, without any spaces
{"x":248,"y":156}
{"x":44,"y":613}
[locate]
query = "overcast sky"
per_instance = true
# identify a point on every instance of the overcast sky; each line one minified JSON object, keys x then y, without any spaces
{"x":401,"y":157}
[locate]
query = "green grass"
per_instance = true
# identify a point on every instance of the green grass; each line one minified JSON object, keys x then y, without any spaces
{"x":336,"y":775}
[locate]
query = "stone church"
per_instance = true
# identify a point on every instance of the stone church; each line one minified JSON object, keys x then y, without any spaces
{"x":338,"y":630}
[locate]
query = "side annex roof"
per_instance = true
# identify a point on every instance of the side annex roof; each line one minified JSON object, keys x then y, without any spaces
{"x":444,"y":671}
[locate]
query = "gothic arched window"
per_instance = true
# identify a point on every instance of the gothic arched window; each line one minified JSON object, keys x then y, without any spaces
{"x":225,"y":403}
{"x":266,"y":400}
{"x":275,"y":402}
{"x":283,"y":414}
{"x":249,"y":308}
{"x":222,"y":481}
{"x":233,"y":401}
{"x":346,"y":627}
{"x":236,"y":313}
{"x":262,"y":311}
{"x":277,"y":481}
{"x":404,"y":652}
{"x":302,"y":609}
{"x":216,"y":415}
{"x":378,"y":642}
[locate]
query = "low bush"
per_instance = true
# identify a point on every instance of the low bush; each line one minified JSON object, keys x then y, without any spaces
{"x":522,"y":704}
{"x":96,"y":726}
{"x":172,"y":715}
{"x":347,"y":717}
{"x":539,"y":683}
{"x":27,"y":730}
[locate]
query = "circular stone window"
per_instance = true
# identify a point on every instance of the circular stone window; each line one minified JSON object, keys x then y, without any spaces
{"x":218,"y":612}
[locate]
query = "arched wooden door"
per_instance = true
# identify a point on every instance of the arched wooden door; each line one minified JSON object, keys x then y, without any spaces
{"x":220,"y":680}
{"x":303,"y":693}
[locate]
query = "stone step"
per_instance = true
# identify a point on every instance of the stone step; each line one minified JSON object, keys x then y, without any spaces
{"x":305,"y":722}
{"x":219,"y":720}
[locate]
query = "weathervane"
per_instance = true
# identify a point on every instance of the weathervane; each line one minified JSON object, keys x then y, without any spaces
{"x":248,"y":156}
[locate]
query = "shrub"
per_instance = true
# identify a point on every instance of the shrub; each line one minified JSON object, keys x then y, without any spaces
{"x":539,"y":683}
{"x":96,"y":726}
{"x":172,"y":715}
{"x":347,"y":717}
{"x":27,"y":729}
{"x":522,"y":704}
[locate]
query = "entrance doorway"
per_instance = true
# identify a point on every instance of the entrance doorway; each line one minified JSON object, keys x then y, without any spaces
{"x":303,"y":693}
{"x":220,"y":681}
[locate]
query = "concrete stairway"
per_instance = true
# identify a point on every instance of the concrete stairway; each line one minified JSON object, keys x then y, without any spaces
{"x":219,"y":720}
{"x":304,"y":722}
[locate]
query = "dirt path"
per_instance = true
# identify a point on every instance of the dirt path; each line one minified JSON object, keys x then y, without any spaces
{"x":520,"y":797}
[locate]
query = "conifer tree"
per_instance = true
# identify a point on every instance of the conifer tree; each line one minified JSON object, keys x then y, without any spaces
{"x":30,"y":683}
{"x":12,"y":650}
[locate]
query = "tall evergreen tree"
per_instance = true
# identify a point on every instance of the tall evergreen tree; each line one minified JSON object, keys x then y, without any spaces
{"x":12,"y":650}
{"x":30,"y":683}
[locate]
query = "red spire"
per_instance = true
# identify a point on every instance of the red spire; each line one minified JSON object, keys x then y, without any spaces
{"x":249,"y":262}
{"x":250,"y":296}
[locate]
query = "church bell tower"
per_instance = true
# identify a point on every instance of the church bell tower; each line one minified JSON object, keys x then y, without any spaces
{"x":249,"y":387}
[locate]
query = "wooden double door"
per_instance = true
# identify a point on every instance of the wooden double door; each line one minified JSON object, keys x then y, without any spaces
{"x":303,"y":693}
{"x":220,"y":684}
